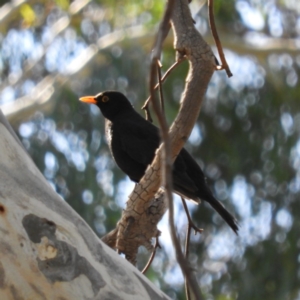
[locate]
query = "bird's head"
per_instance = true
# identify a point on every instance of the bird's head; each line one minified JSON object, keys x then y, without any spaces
{"x":111,"y":103}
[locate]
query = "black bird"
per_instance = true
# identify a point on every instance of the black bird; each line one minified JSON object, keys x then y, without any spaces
{"x":133,"y":141}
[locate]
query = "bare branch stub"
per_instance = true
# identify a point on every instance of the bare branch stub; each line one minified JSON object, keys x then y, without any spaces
{"x":148,"y":114}
{"x":111,"y":238}
{"x":156,"y":245}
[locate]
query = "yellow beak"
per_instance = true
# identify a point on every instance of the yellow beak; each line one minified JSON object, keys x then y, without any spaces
{"x":88,"y":99}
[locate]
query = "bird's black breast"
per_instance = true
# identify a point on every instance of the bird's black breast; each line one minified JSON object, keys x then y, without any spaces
{"x":132,"y":143}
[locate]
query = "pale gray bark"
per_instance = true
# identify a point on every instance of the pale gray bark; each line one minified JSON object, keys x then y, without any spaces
{"x":47,"y":251}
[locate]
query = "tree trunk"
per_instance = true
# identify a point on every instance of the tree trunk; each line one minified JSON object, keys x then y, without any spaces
{"x":47,"y":250}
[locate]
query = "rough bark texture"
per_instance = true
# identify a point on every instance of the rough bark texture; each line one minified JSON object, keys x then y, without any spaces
{"x":47,"y":251}
{"x":137,"y":226}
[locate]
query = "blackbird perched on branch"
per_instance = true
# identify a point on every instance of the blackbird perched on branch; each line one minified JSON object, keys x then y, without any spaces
{"x":133,"y":141}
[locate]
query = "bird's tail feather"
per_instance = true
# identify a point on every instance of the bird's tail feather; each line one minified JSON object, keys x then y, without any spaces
{"x":224,"y":213}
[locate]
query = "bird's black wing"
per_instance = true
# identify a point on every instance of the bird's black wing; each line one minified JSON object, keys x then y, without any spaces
{"x":195,"y":174}
{"x":140,"y":140}
{"x":183,"y":183}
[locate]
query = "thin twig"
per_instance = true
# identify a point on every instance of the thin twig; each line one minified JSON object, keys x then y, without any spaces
{"x":156,"y":245}
{"x":187,"y":242}
{"x":161,"y":95}
{"x":186,"y":253}
{"x":216,"y":38}
{"x":163,"y":79}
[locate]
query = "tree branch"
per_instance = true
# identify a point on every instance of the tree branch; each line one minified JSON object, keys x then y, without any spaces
{"x":189,"y":43}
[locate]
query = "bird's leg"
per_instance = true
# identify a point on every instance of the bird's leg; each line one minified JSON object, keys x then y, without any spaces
{"x":190,"y":221}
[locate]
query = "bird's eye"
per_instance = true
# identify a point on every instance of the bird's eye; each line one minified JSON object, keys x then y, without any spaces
{"x":105,"y":99}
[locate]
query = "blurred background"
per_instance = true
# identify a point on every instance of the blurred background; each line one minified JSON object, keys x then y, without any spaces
{"x":247,"y":138}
